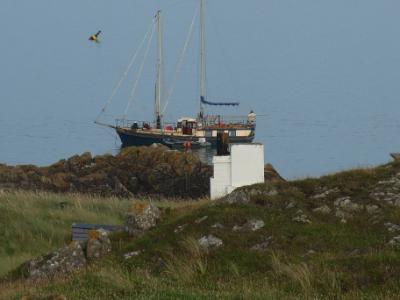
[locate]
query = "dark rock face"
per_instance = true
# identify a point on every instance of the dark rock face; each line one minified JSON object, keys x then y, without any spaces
{"x":61,"y":261}
{"x":135,"y":170}
{"x":270,"y":174}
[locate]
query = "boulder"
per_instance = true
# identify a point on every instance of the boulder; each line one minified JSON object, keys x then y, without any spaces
{"x":61,"y":261}
{"x":347,"y":205}
{"x":141,"y":217}
{"x":98,"y":244}
{"x":210,"y":241}
{"x":238,"y":196}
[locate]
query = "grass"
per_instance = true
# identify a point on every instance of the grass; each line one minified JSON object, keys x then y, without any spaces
{"x":326,"y":259}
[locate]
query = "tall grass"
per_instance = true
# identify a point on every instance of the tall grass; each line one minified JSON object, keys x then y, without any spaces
{"x":35,"y":223}
{"x":188,"y":265}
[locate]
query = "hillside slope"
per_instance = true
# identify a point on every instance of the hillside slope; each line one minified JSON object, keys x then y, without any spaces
{"x":336,"y":237}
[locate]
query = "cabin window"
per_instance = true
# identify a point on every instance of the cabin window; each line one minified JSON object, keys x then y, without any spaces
{"x":232,"y":133}
{"x":208,"y":133}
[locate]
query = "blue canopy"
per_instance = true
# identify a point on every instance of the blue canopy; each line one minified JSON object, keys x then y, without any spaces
{"x":204,"y":101}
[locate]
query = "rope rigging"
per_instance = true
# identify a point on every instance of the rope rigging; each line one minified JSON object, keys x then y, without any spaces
{"x":180,"y":62}
{"x":134,"y":88}
{"x":126,"y":72}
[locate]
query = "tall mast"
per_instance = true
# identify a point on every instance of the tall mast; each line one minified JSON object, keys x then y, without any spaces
{"x":202,"y":59}
{"x":158,"y":93}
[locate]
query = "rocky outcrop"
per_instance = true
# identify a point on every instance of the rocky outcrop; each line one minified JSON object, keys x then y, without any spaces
{"x":61,"y":261}
{"x":141,"y":217}
{"x":270,"y":174}
{"x":238,"y":196}
{"x":69,"y":258}
{"x":135,"y":170}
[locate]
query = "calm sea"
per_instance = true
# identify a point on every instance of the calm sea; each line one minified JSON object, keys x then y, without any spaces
{"x":324,"y":75}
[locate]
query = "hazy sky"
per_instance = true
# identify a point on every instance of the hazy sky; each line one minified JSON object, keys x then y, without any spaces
{"x":325,"y":72}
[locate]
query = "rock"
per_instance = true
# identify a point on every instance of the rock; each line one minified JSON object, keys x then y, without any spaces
{"x":358,"y":251}
{"x":347,"y":205}
{"x":200,"y":220}
{"x":131,"y":254}
{"x":301,"y":219}
{"x":180,"y":228}
{"x":217,"y":226}
{"x":61,"y":261}
{"x":251,"y":225}
{"x":142,"y":217}
{"x":372,"y":209}
{"x":309,"y":253}
{"x":292,"y":204}
{"x":237,"y":197}
{"x":326,"y":193}
{"x":392,"y":227}
{"x":270,"y":174}
{"x":262,"y":247}
{"x":98,"y":244}
{"x":325,"y":210}
{"x":210,"y":241}
{"x":395,"y":242}
{"x":395,"y":156}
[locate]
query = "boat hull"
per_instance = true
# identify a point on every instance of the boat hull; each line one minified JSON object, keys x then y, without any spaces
{"x":134,"y":138}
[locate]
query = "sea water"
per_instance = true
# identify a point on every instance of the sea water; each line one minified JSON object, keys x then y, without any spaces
{"x":323,"y":76}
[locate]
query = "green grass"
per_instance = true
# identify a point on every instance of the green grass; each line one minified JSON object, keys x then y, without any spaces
{"x":173,"y":266}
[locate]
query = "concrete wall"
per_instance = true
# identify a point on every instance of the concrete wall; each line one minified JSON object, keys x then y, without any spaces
{"x":247,"y":164}
{"x":244,"y":166}
{"x":222,"y":176}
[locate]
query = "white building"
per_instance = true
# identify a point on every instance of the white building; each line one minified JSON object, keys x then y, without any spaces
{"x":244,"y":166}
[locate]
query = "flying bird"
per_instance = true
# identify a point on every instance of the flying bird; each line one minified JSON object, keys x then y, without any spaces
{"x":94,"y":37}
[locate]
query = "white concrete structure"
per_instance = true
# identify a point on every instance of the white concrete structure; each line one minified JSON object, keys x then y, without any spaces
{"x":244,"y":166}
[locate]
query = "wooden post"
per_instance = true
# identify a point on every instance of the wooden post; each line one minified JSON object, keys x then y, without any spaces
{"x":222,"y":143}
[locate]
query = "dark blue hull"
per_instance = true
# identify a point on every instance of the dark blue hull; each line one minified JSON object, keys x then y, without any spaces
{"x":133,"y":138}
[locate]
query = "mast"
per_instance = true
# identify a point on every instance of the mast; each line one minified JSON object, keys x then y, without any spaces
{"x":158,"y":92}
{"x":202,"y":59}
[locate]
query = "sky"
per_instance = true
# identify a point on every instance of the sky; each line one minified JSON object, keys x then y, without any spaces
{"x":323,"y":75}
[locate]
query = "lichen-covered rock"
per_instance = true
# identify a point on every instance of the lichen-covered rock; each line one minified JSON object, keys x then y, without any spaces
{"x":395,"y":242}
{"x":372,"y":209}
{"x":300,"y":217}
{"x":325,"y":210}
{"x":264,"y":246}
{"x":98,"y":244}
{"x":251,"y":225}
{"x":61,"y":261}
{"x":210,"y":241}
{"x":141,"y":217}
{"x":392,"y":227}
{"x":325,"y":193}
{"x":238,"y":196}
{"x":345,"y":204}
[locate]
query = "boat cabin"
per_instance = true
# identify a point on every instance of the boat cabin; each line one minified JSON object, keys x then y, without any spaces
{"x":186,"y":125}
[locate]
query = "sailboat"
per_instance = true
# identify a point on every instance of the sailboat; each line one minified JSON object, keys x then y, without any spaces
{"x":200,"y":130}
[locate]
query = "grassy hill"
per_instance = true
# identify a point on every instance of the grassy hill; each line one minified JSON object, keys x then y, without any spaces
{"x":328,"y":238}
